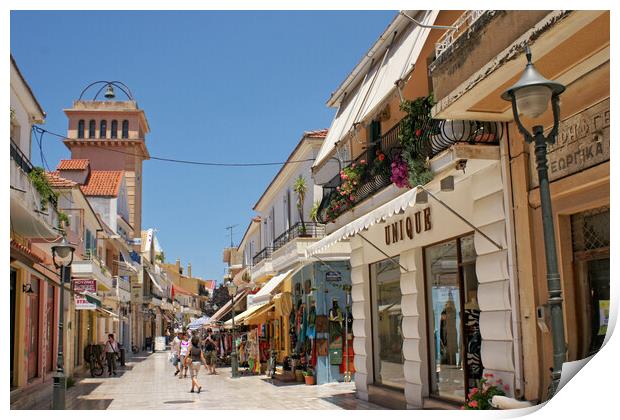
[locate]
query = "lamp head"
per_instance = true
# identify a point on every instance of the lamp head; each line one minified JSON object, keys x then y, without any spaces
{"x":532,"y":93}
{"x":63,"y":251}
{"x":232,"y":288}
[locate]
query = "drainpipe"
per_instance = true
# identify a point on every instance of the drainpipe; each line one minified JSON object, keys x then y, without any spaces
{"x":513,"y":272}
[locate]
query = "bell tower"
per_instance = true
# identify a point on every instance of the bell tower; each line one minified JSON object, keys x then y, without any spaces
{"x":111,"y":134}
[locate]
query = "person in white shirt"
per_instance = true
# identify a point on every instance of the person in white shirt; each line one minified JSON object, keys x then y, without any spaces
{"x":111,"y":350}
{"x":175,"y":349}
{"x":185,"y":344}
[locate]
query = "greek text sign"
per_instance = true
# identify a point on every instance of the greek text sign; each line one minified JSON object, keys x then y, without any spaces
{"x":582,"y":142}
{"x":81,"y":303}
{"x":85,"y":285}
{"x":408,"y":227}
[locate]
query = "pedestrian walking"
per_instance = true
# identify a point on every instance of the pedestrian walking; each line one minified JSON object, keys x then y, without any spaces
{"x":175,"y":350}
{"x":210,"y":355}
{"x":195,"y":357}
{"x":111,"y":350}
{"x":185,"y":344}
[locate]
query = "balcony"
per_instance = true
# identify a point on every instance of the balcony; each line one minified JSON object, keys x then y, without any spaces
{"x":263,"y":254}
{"x":441,"y":135}
{"x":93,"y":267}
{"x":123,"y":288}
{"x":30,"y":216}
{"x":299,"y":230}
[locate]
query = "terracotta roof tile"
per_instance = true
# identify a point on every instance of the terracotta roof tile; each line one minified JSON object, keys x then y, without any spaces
{"x":56,"y":181}
{"x":209,"y":284}
{"x":73,"y":165}
{"x":103,"y":183}
{"x":26,"y":250}
{"x":319,"y":134}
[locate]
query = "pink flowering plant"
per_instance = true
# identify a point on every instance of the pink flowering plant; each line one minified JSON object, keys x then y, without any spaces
{"x":479,"y":398}
{"x":400,"y":172}
{"x":351,"y":178}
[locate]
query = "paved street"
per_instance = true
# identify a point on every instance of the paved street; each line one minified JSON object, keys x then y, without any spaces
{"x":148,"y":383}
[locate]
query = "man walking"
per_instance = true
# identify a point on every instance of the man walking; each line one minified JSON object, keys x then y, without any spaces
{"x":111,"y":350}
{"x":210,"y":355}
{"x":175,"y":349}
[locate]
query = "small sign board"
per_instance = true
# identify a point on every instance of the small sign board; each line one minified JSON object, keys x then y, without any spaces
{"x":85,"y":285}
{"x":81,"y":303}
{"x":333,"y":276}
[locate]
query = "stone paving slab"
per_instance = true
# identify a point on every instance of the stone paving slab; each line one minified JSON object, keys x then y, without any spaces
{"x":149,"y":383}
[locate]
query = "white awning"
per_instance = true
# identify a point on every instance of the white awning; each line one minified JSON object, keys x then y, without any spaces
{"x":379,"y":83}
{"x":400,"y":203}
{"x":246,"y":313}
{"x":155,"y":282}
{"x":264,"y":294}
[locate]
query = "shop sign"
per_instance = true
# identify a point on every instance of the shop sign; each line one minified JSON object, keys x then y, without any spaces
{"x":81,"y":303}
{"x":408,"y":227}
{"x":582,"y":142}
{"x":84,"y":285}
{"x":333,"y":277}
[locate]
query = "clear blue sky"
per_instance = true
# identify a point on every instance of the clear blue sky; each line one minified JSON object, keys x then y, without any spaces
{"x":215,"y":86}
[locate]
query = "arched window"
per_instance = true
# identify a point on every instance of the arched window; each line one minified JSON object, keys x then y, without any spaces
{"x":114,"y":129}
{"x":125,"y":134}
{"x":80,"y":129}
{"x":91,"y":129}
{"x":103,"y":129}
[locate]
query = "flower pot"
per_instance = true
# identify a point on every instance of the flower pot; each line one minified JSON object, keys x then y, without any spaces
{"x":310,"y":380}
{"x":299,"y":375}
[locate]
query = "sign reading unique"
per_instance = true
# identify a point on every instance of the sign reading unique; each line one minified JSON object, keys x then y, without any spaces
{"x":85,"y":285}
{"x":408,"y":227}
{"x":582,"y":142}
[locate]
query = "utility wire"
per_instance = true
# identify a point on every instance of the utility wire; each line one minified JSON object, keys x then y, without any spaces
{"x":182,"y":161}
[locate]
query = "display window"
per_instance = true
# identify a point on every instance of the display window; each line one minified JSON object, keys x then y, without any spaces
{"x":453,"y":317}
{"x":387,"y":324}
{"x":590,"y":237}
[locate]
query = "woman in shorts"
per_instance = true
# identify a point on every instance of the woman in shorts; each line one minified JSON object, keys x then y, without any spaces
{"x":195,"y":357}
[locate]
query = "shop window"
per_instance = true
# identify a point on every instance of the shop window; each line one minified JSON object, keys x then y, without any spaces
{"x":590,"y":232}
{"x":387,"y":324}
{"x":453,"y":318}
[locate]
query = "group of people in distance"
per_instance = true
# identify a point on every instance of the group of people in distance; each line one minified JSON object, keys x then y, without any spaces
{"x":189,"y":352}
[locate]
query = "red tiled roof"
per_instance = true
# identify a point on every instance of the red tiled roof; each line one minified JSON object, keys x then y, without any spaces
{"x":25,"y":250}
{"x":319,"y":134}
{"x":103,"y":183}
{"x":73,"y":165}
{"x":209,"y":284}
{"x":56,"y":181}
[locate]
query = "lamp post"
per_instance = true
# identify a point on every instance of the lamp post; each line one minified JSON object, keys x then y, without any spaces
{"x":530,"y":96}
{"x":232,"y":291}
{"x":62,"y":255}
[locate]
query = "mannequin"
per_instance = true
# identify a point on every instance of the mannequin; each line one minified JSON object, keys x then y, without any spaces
{"x":474,"y":339}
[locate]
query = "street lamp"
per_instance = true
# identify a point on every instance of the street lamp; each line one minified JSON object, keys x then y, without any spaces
{"x":62,"y":255}
{"x":232,"y":291}
{"x":530,"y":96}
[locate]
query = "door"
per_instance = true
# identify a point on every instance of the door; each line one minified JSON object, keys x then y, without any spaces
{"x":13,"y":304}
{"x":49,"y":327}
{"x":33,"y":329}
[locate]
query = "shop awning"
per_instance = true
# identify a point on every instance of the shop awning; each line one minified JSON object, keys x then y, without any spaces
{"x":264,"y":294}
{"x":397,"y":205}
{"x":106,"y":313}
{"x":156,"y":284}
{"x":258,"y":317}
{"x":228,"y":306}
{"x":243,"y":315}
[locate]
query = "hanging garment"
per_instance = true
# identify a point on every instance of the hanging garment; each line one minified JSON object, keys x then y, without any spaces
{"x":313,"y":358}
{"x":311,"y":330}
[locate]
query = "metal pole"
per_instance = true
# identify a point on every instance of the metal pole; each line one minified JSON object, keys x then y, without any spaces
{"x":233,"y":355}
{"x":60,"y":382}
{"x":347,"y":374}
{"x":554,"y":285}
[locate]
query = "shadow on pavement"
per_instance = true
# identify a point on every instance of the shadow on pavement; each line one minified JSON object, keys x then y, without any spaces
{"x":348,"y":401}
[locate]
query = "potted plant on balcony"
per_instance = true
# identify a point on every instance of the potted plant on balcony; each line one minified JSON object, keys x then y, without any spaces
{"x":300,"y":188}
{"x":309,"y":377}
{"x":43,"y":187}
{"x":416,"y":139}
{"x":314,"y":212}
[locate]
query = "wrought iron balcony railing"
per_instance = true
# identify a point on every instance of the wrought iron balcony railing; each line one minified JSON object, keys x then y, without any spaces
{"x":443,"y":134}
{"x":299,"y":230}
{"x":262,"y":254}
{"x":25,"y":165}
